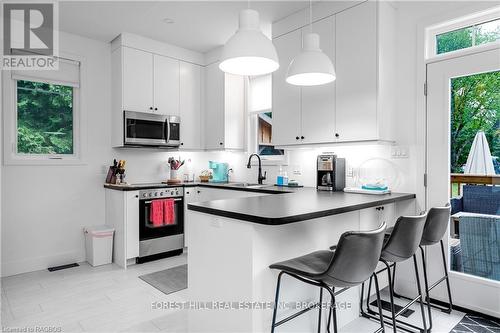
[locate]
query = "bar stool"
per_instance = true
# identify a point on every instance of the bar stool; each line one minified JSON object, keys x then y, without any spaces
{"x":434,"y":230}
{"x":400,"y":245}
{"x":351,"y":263}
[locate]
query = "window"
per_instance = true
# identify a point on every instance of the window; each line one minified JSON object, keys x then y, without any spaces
{"x":260,"y":124}
{"x":478,"y":29}
{"x":44,"y":118}
{"x":468,"y":37}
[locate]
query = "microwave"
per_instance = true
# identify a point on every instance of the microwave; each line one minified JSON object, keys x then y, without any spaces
{"x":149,"y":129}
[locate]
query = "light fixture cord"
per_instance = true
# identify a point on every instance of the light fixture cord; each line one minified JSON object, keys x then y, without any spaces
{"x":248,"y":4}
{"x":310,"y":16}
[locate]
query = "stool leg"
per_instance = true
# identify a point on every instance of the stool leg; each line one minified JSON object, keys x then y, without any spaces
{"x":332,"y":311}
{"x":368,"y":296}
{"x":379,"y":303}
{"x":450,"y":305}
{"x":420,"y":293}
{"x":320,"y":308}
{"x":426,"y":283}
{"x":391,"y":294}
{"x":276,"y":301}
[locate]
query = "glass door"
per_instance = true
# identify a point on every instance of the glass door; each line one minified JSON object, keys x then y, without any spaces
{"x":463,"y":138}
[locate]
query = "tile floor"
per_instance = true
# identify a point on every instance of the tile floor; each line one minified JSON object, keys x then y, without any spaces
{"x":107,"y":298}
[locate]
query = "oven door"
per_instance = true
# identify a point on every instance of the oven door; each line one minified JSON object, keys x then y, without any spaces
{"x":149,"y":231}
{"x":145,"y":129}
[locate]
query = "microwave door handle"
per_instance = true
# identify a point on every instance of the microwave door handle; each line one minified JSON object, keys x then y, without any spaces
{"x":167,"y":130}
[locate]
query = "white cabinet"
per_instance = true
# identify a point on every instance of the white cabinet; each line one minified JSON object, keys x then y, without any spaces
{"x":359,"y":104}
{"x":150,"y":82}
{"x":286,"y":97}
{"x":122,"y":213}
{"x":137,"y":79}
{"x":356,"y":45}
{"x":190,"y":195}
{"x":224,"y":110}
{"x":318,"y":102}
{"x":190,"y":106}
{"x":165,"y":85}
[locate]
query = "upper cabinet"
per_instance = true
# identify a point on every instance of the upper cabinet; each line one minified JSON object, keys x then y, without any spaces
{"x":190,"y":106}
{"x":358,"y":105}
{"x":150,"y":82}
{"x":224,"y":117}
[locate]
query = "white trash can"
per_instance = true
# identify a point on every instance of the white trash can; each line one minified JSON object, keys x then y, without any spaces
{"x":99,"y":244}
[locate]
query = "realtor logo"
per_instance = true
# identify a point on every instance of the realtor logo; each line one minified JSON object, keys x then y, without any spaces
{"x":29,"y":35}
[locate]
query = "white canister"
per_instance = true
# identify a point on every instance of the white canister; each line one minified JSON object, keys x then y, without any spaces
{"x":174,"y":174}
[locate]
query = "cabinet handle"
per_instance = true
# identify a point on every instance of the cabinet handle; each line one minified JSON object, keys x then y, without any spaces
{"x":136,"y":196}
{"x":151,"y":108}
{"x":337,"y":135}
{"x":156,"y":109}
{"x":296,"y":138}
{"x":220,"y":143}
{"x":182,"y":143}
{"x":187,"y":192}
{"x":199,"y":192}
{"x":302,"y":137}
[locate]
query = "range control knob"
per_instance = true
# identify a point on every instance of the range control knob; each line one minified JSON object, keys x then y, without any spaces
{"x":161,"y":193}
{"x":150,"y":194}
{"x":144,"y":195}
{"x":172,"y":193}
{"x":177,"y":192}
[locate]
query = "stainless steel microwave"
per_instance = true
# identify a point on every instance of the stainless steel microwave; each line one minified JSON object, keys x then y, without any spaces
{"x":149,"y":129}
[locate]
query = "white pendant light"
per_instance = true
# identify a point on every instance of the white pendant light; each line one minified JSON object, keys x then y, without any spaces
{"x":311,"y":67}
{"x":249,"y":52}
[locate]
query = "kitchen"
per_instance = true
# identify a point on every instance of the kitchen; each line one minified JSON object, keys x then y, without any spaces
{"x":378,"y":131}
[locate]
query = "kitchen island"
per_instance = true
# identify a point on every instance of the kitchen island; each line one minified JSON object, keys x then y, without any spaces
{"x":233,"y":242}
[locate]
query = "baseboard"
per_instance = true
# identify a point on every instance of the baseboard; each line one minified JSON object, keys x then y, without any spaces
{"x":39,"y":263}
{"x":466,"y":310}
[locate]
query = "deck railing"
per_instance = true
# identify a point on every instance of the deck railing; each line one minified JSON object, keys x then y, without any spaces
{"x":460,"y":178}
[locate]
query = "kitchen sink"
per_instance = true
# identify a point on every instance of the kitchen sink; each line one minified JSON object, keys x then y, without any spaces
{"x":250,"y":185}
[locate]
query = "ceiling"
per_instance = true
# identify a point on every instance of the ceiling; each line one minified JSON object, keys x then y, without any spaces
{"x":198,"y":26}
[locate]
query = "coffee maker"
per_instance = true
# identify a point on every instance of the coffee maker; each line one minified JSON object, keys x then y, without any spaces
{"x":330,"y":174}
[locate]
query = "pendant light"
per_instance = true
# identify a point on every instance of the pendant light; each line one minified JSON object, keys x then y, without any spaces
{"x":249,"y":52}
{"x":311,"y":67}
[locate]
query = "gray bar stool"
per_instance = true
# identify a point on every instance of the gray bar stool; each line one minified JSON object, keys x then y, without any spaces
{"x":351,"y":263}
{"x":400,"y":245}
{"x":435,"y":227}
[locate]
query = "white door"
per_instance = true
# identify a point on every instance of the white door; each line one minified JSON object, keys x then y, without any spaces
{"x":318,"y":102}
{"x":190,"y":105}
{"x":356,"y":68}
{"x":132,"y":220}
{"x":166,"y":85}
{"x":214,"y":99}
{"x":234,"y":112}
{"x":137,"y":80}
{"x":286,"y":97}
{"x":468,"y":291}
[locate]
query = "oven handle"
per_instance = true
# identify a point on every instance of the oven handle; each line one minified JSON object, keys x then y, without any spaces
{"x":146,"y":202}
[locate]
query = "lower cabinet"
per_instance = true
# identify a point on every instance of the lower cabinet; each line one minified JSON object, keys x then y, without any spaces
{"x":122,"y":213}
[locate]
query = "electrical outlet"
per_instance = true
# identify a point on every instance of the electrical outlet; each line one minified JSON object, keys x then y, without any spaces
{"x":400,"y":152}
{"x":297,"y":171}
{"x":349,"y":172}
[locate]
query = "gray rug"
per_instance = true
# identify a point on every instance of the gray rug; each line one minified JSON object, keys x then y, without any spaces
{"x":169,"y":280}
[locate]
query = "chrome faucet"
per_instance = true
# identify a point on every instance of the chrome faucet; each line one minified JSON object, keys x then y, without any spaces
{"x":260,"y":177}
{"x":227,"y":174}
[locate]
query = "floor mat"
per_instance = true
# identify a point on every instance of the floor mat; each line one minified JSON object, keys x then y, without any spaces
{"x":476,"y":324}
{"x":169,"y":280}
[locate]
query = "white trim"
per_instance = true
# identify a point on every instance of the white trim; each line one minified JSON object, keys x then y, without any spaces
{"x":476,"y":18}
{"x":11,"y":157}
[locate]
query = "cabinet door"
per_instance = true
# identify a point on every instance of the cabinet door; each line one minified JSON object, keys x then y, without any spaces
{"x":137,"y":80}
{"x":234,"y":112}
{"x":286,"y":97}
{"x":132,"y":220}
{"x":190,"y":105}
{"x":318,"y":102}
{"x":166,"y":85}
{"x":356,"y":66}
{"x":214,"y":115}
{"x":190,"y":195}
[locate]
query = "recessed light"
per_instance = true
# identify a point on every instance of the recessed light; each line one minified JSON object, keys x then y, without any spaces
{"x":168,"y":20}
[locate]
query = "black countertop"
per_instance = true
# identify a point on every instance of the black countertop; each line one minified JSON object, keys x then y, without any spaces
{"x":302,"y":204}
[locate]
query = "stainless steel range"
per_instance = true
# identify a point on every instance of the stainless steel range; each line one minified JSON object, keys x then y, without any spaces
{"x":159,"y":240}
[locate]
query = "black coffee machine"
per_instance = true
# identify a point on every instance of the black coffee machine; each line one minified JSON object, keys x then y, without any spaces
{"x":330,"y":174}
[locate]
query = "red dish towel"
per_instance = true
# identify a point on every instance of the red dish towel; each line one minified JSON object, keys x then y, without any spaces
{"x":156,"y":213}
{"x":168,"y":211}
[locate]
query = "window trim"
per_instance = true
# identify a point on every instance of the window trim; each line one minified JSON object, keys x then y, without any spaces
{"x":253,"y":142}
{"x":10,"y":155}
{"x":478,"y":18}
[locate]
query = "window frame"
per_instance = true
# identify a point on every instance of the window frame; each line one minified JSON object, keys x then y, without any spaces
{"x":478,"y":18}
{"x":11,"y":156}
{"x":253,"y":142}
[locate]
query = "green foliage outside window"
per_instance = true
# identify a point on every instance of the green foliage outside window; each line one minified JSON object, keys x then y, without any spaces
{"x":475,"y":106}
{"x":44,"y":118}
{"x":468,"y":37}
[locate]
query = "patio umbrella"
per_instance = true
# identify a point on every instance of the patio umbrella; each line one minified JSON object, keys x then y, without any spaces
{"x":479,"y":161}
